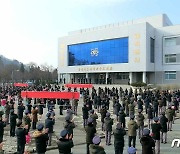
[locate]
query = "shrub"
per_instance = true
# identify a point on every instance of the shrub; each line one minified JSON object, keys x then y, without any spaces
{"x":138,"y":84}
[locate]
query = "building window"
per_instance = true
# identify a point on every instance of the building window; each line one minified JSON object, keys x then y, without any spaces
{"x":122,"y":76}
{"x":152,"y":50}
{"x":170,"y":58}
{"x":170,"y":75}
{"x":172,"y":41}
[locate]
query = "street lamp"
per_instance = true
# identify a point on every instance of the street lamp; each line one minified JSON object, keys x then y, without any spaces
{"x":12,"y":75}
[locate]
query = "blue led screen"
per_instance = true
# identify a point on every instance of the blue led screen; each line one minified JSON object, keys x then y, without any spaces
{"x":99,"y":52}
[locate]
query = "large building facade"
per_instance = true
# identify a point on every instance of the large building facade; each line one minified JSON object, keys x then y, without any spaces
{"x":144,"y":50}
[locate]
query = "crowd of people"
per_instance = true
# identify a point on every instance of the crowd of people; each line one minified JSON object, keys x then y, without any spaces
{"x":132,"y":108}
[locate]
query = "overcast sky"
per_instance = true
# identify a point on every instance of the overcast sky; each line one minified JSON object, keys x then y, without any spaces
{"x":29,"y":29}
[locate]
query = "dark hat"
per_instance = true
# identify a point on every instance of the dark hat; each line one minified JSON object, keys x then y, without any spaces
{"x":40,"y":127}
{"x":156,"y":119}
{"x":91,"y":111}
{"x":51,"y":108}
{"x":26,"y":112}
{"x":107,"y":114}
{"x":67,"y":118}
{"x":122,"y":108}
{"x":90,"y":120}
{"x":96,"y":140}
{"x":131,"y":150}
{"x":139,"y":110}
{"x":19,"y":123}
{"x":146,"y":131}
{"x":48,"y":114}
{"x":118,"y":126}
{"x":63,"y":133}
{"x":163,"y":113}
{"x":132,"y":116}
{"x":12,"y":111}
{"x":34,"y":106}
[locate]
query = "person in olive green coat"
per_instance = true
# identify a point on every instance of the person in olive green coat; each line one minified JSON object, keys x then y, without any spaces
{"x":140,"y":122}
{"x":27,"y":119}
{"x":131,"y":108}
{"x":94,"y":116}
{"x":132,"y":127}
{"x":95,"y":148}
{"x":170,"y":114}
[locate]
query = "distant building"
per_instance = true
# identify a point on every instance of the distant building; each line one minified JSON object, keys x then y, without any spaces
{"x":146,"y":50}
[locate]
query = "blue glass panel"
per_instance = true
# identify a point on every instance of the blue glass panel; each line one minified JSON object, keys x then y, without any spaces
{"x":99,"y":52}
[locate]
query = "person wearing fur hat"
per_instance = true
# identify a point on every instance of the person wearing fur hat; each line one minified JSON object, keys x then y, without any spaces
{"x":132,"y":127}
{"x":85,"y":114}
{"x":49,"y":123}
{"x":94,"y":116}
{"x":163,"y":122}
{"x":119,"y":133}
{"x":95,"y":148}
{"x":27,"y":119}
{"x":103,"y":112}
{"x":90,"y":133}
{"x":147,"y":142}
{"x":65,"y":143}
{"x":41,"y":138}
{"x":156,"y":128}
{"x":34,"y":116}
{"x":13,"y":118}
{"x":140,"y":122}
{"x":170,"y":114}
{"x":122,"y":118}
{"x":20,"y":110}
{"x":108,"y":122}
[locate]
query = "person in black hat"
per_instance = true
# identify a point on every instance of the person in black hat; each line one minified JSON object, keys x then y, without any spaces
{"x":140,"y":122}
{"x":147,"y":142}
{"x":95,"y":147}
{"x":41,"y":138}
{"x":13,"y":118}
{"x":163,"y":122}
{"x":94,"y":116}
{"x":65,"y":143}
{"x":49,"y":123}
{"x":27,"y":119}
{"x":122,"y":117}
{"x":69,"y":125}
{"x":108,"y":122}
{"x":156,"y":128}
{"x":119,"y":133}
{"x":132,"y":127}
{"x":21,"y":133}
{"x":90,"y":133}
{"x":20,"y":110}
{"x":103,"y":112}
{"x":85,"y":114}
{"x":2,"y":125}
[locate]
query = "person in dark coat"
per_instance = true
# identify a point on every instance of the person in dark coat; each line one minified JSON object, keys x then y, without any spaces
{"x":41,"y":138}
{"x":163,"y":122}
{"x":156,"y":128}
{"x":108,"y":122}
{"x":140,"y":122}
{"x":49,"y":123}
{"x":155,"y":107}
{"x":95,"y":148}
{"x":21,"y":137}
{"x":69,"y":125}
{"x":7,"y":112}
{"x":20,"y":110}
{"x":85,"y":114}
{"x":150,"y":116}
{"x":65,"y":143}
{"x":119,"y":133}
{"x":103,"y":112}
{"x":13,"y":118}
{"x":147,"y":142}
{"x":27,"y":119}
{"x":94,"y":116}
{"x":2,"y":125}
{"x":122,"y":118}
{"x":90,"y":133}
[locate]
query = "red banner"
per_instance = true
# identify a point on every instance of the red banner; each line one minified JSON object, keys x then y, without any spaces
{"x":20,"y":84}
{"x":79,"y":85}
{"x":48,"y":94}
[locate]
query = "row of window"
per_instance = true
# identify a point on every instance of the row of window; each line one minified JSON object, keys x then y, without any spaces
{"x":170,"y":75}
{"x":173,"y":41}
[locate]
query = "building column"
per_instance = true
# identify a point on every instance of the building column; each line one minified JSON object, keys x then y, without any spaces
{"x":87,"y":75}
{"x":144,"y":77}
{"x":130,"y":77}
{"x":107,"y":75}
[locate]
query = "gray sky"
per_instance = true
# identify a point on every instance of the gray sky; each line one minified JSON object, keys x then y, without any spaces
{"x":29,"y":29}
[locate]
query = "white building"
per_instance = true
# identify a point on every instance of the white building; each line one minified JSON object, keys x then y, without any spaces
{"x":146,"y":50}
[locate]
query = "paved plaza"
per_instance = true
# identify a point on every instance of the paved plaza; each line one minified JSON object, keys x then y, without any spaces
{"x":79,"y":135}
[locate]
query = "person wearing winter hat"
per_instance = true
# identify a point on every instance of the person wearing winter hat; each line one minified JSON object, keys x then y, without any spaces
{"x":147,"y":142}
{"x":132,"y":127}
{"x":119,"y":133}
{"x":41,"y":138}
{"x":65,"y":142}
{"x":94,"y":116}
{"x":13,"y":118}
{"x":103,"y":112}
{"x":95,"y":147}
{"x":69,"y":125}
{"x":156,"y":128}
{"x":163,"y":122}
{"x":27,"y":119}
{"x":90,"y":133}
{"x":34,"y":116}
{"x":108,"y":122}
{"x":122,"y":117}
{"x":131,"y":150}
{"x":140,"y":122}
{"x":49,"y":123}
{"x":85,"y":114}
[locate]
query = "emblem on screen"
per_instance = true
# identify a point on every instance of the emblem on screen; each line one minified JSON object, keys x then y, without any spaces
{"x":94,"y":52}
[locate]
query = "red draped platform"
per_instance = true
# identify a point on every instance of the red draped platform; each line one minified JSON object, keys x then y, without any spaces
{"x":79,"y":85}
{"x":20,"y":84}
{"x":47,"y":94}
